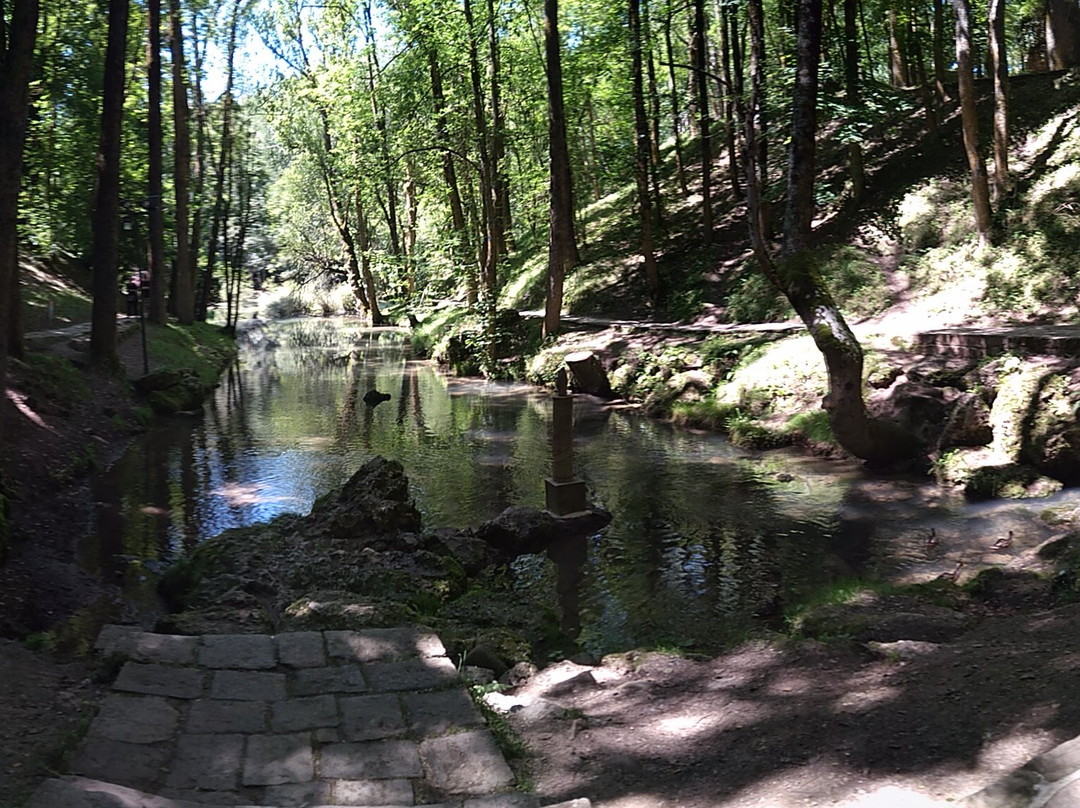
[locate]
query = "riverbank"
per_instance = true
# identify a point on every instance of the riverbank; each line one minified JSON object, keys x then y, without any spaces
{"x":811,"y":720}
{"x":62,"y":421}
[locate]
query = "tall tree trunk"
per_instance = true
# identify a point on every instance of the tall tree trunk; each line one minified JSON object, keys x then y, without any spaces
{"x":653,"y":96}
{"x":104,"y":217}
{"x":898,"y":73}
{"x":980,"y":189}
{"x":728,"y":45}
{"x":1062,"y":33}
{"x":851,"y":89}
{"x":797,"y":275}
{"x":562,"y":244}
{"x":1000,"y":68}
{"x":201,"y":159}
{"x":17,"y":35}
{"x":757,"y":121}
{"x":412,"y":215}
{"x":184,"y":304}
{"x":442,"y":131}
{"x":219,"y":218}
{"x":155,"y":201}
{"x":641,"y":137}
{"x":500,"y":184}
{"x":363,"y":240}
{"x":919,"y":66}
{"x":379,"y":116}
{"x":673,"y":95}
{"x":698,"y":62}
{"x":939,"y":50}
{"x":489,"y":255}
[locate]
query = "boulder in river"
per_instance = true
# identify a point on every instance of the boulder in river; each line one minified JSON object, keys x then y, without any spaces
{"x":374,"y":500}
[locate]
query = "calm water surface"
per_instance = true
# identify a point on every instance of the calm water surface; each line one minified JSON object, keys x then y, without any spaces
{"x":705,"y":537}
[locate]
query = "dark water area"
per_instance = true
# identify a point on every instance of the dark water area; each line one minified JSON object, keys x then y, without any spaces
{"x":706,"y":540}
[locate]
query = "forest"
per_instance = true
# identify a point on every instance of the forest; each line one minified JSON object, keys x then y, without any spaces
{"x":424,"y":151}
{"x":849,"y":226}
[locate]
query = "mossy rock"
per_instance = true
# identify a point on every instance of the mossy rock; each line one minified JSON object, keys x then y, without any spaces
{"x":1052,"y":438}
{"x":1009,"y":481}
{"x":342,"y":611}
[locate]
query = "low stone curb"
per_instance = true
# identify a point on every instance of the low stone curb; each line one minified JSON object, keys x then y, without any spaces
{"x":80,"y":792}
{"x":1051,"y":780}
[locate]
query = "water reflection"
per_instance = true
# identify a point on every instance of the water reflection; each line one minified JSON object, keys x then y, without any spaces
{"x":705,"y":538}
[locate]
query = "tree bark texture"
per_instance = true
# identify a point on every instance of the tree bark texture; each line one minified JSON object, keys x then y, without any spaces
{"x":898,"y":73}
{"x":939,"y":49}
{"x":562,"y":243}
{"x":980,"y":188}
{"x":758,"y":121}
{"x":489,"y":256}
{"x":184,"y":302}
{"x":219,"y":220}
{"x":154,"y":199}
{"x":442,"y":131}
{"x":105,"y":214}
{"x":1062,"y":33}
{"x":673,"y":96}
{"x":728,"y":44}
{"x":642,"y":152}
{"x":798,"y":277}
{"x":1000,"y":68}
{"x":17,"y":36}
{"x":698,"y":62}
{"x":851,"y":88}
{"x":364,"y":247}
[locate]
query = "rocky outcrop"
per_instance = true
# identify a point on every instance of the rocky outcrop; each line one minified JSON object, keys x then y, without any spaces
{"x":1006,"y":428}
{"x":374,"y":500}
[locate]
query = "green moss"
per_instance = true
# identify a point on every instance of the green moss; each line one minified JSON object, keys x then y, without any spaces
{"x":812,"y":427}
{"x":201,"y":347}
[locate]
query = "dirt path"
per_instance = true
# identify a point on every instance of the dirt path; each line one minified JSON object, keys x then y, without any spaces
{"x":808,"y":724}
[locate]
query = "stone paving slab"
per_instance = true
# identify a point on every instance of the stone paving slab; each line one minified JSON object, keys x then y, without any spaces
{"x":81,"y":792}
{"x":336,"y":718}
{"x":241,"y":651}
{"x":160,"y":680}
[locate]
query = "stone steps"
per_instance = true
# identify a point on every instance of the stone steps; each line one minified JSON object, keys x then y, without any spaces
{"x":377,"y":717}
{"x":980,"y":342}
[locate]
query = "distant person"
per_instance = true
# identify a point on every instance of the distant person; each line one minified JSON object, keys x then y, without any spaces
{"x":133,"y":294}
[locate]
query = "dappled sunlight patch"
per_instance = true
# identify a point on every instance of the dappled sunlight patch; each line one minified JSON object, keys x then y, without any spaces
{"x":863,"y":701}
{"x":688,"y":725}
{"x":240,"y":494}
{"x":791,"y":684}
{"x":1037,"y":142}
{"x":1057,"y":180}
{"x":1017,"y":746}
{"x":22,"y":404}
{"x":524,"y":285}
{"x":784,"y":377}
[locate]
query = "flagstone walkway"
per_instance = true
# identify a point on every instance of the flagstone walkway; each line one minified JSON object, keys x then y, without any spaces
{"x":369,"y":718}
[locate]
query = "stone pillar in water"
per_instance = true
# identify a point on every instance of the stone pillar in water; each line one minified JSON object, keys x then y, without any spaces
{"x":565,"y":493}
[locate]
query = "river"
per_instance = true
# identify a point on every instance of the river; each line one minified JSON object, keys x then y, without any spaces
{"x":707,"y":540}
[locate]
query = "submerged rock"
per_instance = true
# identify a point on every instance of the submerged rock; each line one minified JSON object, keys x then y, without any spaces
{"x":519,"y":530}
